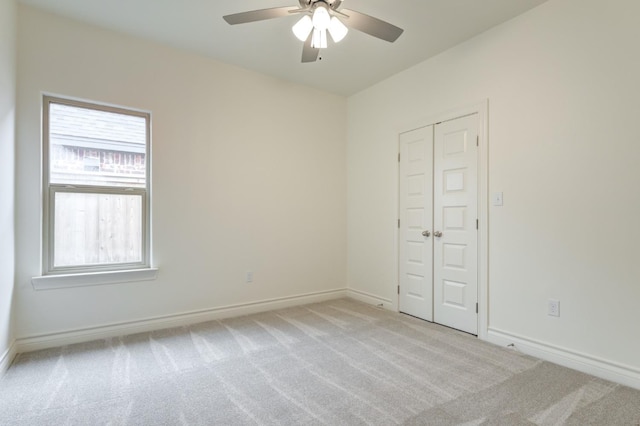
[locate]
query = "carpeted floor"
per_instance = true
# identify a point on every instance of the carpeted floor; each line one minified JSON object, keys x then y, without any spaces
{"x":333,"y":363}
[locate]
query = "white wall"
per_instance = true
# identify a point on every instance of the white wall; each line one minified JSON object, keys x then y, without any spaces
{"x":562,"y":84}
{"x":245,"y":177}
{"x":8,"y":19}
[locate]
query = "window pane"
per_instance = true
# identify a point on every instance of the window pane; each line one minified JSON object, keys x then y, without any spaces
{"x":96,"y":229}
{"x":94,"y":147}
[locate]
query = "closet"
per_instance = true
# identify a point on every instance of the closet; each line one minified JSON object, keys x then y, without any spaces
{"x":438,"y":223}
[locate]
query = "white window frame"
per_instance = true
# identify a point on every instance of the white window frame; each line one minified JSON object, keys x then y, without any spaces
{"x":50,"y":190}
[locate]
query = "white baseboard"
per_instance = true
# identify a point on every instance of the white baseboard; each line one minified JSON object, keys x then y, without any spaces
{"x":371,"y":299}
{"x":51,"y":340}
{"x":7,"y":357}
{"x":608,"y":370}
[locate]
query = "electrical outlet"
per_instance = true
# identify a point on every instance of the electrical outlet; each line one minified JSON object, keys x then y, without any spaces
{"x":249,"y":278}
{"x":554,"y":308}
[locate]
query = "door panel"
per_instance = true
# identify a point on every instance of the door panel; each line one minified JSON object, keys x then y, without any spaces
{"x":455,"y":264}
{"x":416,"y":216}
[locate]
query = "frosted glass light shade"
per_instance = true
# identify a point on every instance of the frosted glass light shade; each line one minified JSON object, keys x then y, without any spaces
{"x":337,"y":29}
{"x":321,"y":17}
{"x":303,"y":28}
{"x":319,"y":40}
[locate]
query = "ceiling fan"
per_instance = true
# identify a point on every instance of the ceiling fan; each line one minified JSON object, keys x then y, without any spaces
{"x":320,"y":17}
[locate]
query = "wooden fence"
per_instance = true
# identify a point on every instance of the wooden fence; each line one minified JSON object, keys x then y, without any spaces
{"x":94,"y":229}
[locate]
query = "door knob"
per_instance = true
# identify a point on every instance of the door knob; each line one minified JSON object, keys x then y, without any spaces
{"x":437,"y":234}
{"x":426,"y":233}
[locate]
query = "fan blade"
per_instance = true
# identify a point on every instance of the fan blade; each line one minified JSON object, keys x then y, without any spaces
{"x":335,"y":4}
{"x":372,"y":26}
{"x":309,"y":54}
{"x":258,"y":15}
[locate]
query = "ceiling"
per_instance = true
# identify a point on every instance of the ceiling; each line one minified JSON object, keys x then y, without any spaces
{"x":269,"y":47}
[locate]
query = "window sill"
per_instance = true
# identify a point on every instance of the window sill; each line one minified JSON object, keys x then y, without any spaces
{"x":49,"y":282}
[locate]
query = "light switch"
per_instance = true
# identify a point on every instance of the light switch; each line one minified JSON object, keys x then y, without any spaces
{"x":497,"y":199}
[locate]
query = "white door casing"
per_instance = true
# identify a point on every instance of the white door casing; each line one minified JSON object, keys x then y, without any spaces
{"x":455,"y":216}
{"x":416,"y":216}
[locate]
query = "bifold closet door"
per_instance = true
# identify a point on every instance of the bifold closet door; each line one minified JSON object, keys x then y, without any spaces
{"x":416,"y":221}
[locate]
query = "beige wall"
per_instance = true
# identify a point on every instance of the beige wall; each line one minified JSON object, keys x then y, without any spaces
{"x":249,"y":173}
{"x":8,"y":19}
{"x":562,"y":84}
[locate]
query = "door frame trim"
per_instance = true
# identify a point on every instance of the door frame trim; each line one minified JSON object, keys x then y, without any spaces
{"x":482,"y":109}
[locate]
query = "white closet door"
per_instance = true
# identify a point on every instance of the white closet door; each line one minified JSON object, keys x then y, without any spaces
{"x":455,"y":215}
{"x":416,"y":218}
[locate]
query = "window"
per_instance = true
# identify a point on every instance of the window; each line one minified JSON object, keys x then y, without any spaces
{"x":96,"y":187}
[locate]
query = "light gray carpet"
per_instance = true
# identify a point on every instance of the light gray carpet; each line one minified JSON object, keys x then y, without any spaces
{"x":334,"y":363}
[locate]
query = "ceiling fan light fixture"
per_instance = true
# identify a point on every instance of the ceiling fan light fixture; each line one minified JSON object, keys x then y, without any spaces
{"x":319,"y":39}
{"x":337,"y":29}
{"x":321,"y":17}
{"x":318,"y":18}
{"x":303,"y":28}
